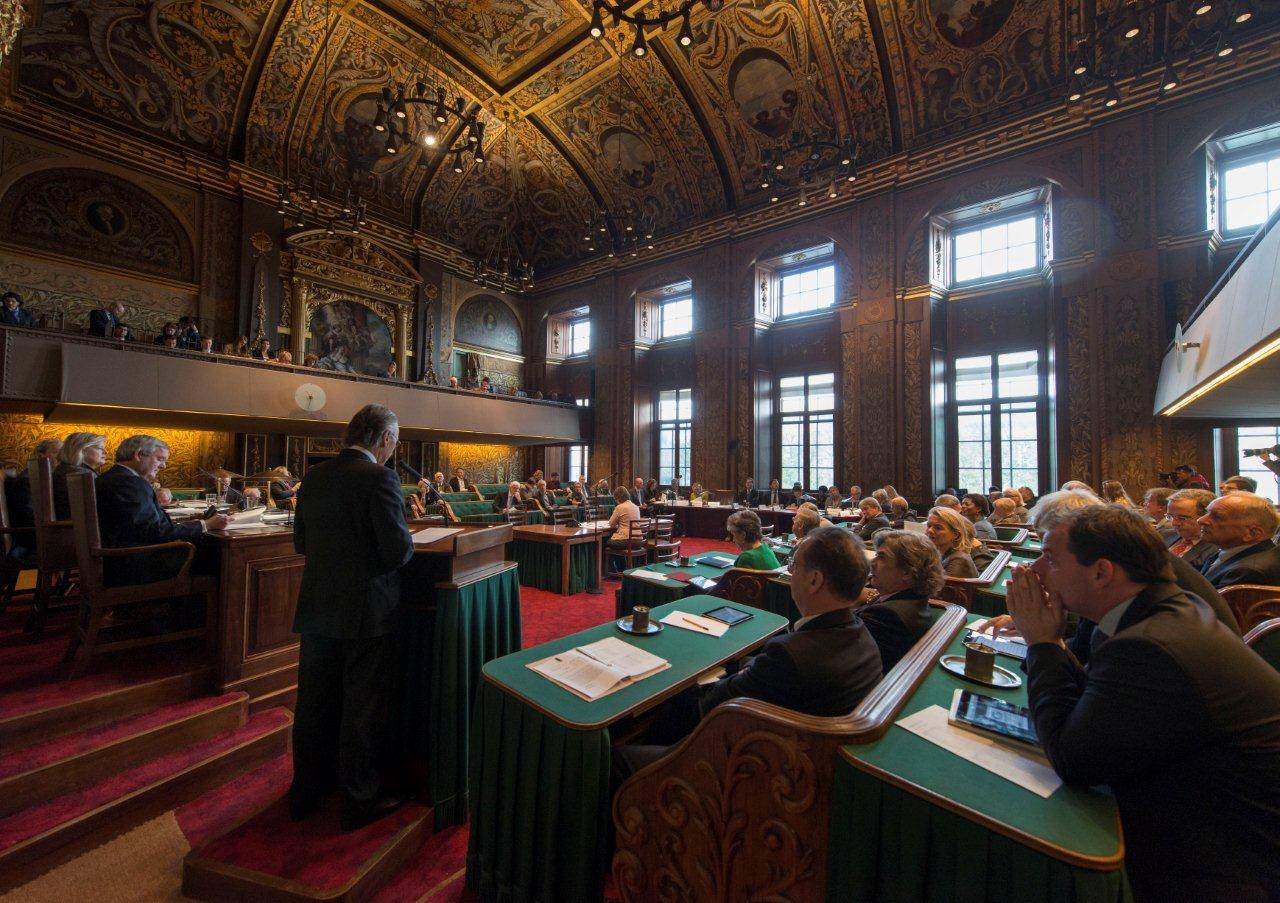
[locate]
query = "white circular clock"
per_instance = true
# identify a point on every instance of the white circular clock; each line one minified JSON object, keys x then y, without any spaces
{"x":309,"y":397}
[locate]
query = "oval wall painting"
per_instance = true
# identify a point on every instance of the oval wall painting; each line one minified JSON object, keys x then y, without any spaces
{"x":969,"y":23}
{"x":631,"y":154}
{"x":765,"y":92}
{"x":350,"y":338}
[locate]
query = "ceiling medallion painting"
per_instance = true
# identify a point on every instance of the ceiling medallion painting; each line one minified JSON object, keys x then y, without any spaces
{"x":969,"y":23}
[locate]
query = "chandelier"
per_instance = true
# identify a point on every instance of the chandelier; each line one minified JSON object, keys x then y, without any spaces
{"x":502,"y":265}
{"x":11,"y":21}
{"x":641,"y":21}
{"x":809,"y":161}
{"x":1102,"y":54}
{"x":441,"y":116}
{"x":301,"y":202}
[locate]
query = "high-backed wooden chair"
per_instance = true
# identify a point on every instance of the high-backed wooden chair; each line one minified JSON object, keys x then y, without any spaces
{"x":97,"y":599}
{"x":960,"y":590}
{"x":662,"y":543}
{"x":1252,"y":603}
{"x":745,"y":586}
{"x":55,"y":540}
{"x":1264,"y":639}
{"x":517,"y":517}
{"x":634,"y":552}
{"x":563,"y":516}
{"x":750,"y":792}
{"x":10,"y":567}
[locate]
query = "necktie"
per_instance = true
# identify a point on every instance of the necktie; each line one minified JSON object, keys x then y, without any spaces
{"x":1096,"y":640}
{"x":1181,"y":547}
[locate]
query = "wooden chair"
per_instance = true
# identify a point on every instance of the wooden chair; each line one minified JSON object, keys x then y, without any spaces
{"x":1264,"y":639}
{"x":563,"y":516}
{"x":55,"y":541}
{"x":517,"y":517}
{"x":98,"y":600}
{"x":745,"y":586}
{"x":1252,"y":603}
{"x":662,"y":543}
{"x":766,"y":529}
{"x":10,"y":566}
{"x":750,"y":791}
{"x":635,"y":550}
{"x":960,"y":590}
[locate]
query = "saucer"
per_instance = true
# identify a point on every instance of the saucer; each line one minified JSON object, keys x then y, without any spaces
{"x":1001,"y":678}
{"x":624,"y":624}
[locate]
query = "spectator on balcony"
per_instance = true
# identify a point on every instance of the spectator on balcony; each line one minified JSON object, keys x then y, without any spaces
{"x":310,"y":360}
{"x":242,"y":346}
{"x":12,"y":312}
{"x":168,"y":331}
{"x":121,"y":333}
{"x":391,"y":371}
{"x":453,"y":382}
{"x":284,"y":357}
{"x":188,"y":334}
{"x":262,"y":351}
{"x":103,"y":320}
{"x":206,"y":345}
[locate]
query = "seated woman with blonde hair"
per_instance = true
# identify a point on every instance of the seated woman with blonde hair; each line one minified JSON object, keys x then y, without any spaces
{"x":284,"y":488}
{"x":80,"y":453}
{"x":1113,"y":492}
{"x":953,"y":536}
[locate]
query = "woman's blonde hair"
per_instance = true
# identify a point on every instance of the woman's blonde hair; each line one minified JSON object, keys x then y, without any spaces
{"x":76,"y":444}
{"x":959,"y":524}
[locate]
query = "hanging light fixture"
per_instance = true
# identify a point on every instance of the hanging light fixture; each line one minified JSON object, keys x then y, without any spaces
{"x":805,"y":160}
{"x":1169,"y":78}
{"x":642,"y":21}
{"x":1112,"y":95}
{"x":502,"y":265}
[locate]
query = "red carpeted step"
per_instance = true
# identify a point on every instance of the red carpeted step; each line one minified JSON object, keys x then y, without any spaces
{"x":272,"y":856}
{"x":39,"y":773}
{"x":129,"y":797}
{"x":215,"y":813}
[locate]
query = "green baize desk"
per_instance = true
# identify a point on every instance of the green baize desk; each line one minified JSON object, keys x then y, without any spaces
{"x":540,"y":757}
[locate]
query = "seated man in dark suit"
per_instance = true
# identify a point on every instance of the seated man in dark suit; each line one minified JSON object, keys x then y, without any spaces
{"x":873,"y":519}
{"x":1185,"y":508}
{"x":458,"y":482}
{"x":1241,"y":526}
{"x":746,"y":496}
{"x":907,"y":572}
{"x":824,"y":665}
{"x":638,"y":493}
{"x":798,"y":496}
{"x":12,"y":313}
{"x":17,"y":493}
{"x":103,"y":320}
{"x":773,"y":497}
{"x":130,"y":515}
{"x":1173,"y":712}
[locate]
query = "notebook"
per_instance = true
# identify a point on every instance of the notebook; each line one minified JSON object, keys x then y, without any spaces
{"x":599,"y":668}
{"x":717,"y":561}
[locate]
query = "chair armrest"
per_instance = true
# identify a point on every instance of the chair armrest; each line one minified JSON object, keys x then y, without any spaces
{"x":7,"y":530}
{"x":125,"y":551}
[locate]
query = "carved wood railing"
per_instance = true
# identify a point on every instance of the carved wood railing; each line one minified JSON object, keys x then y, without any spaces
{"x":960,"y":590}
{"x":740,"y":809}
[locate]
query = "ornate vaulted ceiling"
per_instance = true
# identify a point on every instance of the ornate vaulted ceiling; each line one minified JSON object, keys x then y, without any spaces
{"x":288,"y":87}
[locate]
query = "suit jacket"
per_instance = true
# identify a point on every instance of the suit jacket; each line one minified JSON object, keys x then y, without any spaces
{"x":426,"y":496}
{"x":983,"y":529}
{"x":130,"y":515}
{"x":959,"y":564}
{"x":868,"y":527}
{"x":745,"y":497}
{"x":896,"y":622}
{"x":17,"y":317}
{"x":456,"y":485}
{"x":101,"y":322}
{"x":1198,"y":555}
{"x":639,"y":496}
{"x":350,"y":525}
{"x":765,"y":497}
{"x":1259,"y":564}
{"x":1182,"y":721}
{"x":823,"y":667}
{"x":281,"y":491}
{"x":61,"y":500}
{"x":804,"y":497}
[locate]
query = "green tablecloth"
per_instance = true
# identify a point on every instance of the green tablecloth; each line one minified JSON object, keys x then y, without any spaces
{"x":540,"y":564}
{"x":645,"y":591}
{"x":988,"y":601}
{"x":540,"y":789}
{"x":442,"y":650}
{"x":889,"y":844}
{"x":534,"y":517}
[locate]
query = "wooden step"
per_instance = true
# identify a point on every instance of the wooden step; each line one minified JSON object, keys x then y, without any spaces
{"x":37,"y":839}
{"x":42,"y":772}
{"x":40,"y":725}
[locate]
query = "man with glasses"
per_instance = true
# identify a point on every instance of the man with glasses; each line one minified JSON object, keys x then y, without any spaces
{"x":350,"y":526}
{"x":1186,"y":507}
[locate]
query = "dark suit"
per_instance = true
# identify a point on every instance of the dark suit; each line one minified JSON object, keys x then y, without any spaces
{"x":102,"y":321}
{"x":1182,"y":721}
{"x":350,"y":526}
{"x":745,"y":497}
{"x":61,"y":500}
{"x":19,"y":316}
{"x":130,"y":515}
{"x":281,"y":491}
{"x":640,"y":497}
{"x":457,"y":485}
{"x":799,"y":500}
{"x":868,"y":527}
{"x":1198,"y":555}
{"x":770,"y":497}
{"x":1259,"y":564}
{"x":896,"y":622}
{"x":823,"y":667}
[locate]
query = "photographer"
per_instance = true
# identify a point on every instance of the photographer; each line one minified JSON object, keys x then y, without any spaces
{"x":1266,"y":456}
{"x":1184,"y":476}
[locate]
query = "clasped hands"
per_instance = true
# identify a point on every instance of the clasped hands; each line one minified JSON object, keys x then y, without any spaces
{"x":1035,"y":614}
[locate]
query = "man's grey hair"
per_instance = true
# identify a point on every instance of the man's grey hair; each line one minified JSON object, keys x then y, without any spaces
{"x":139,"y":445}
{"x":1055,"y":507}
{"x":368,"y":425}
{"x":1202,"y":498}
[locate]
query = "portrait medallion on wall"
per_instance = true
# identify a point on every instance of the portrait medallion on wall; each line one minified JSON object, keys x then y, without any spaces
{"x":350,"y":338}
{"x":631,"y":154}
{"x":487,"y":322}
{"x":765,"y":92}
{"x":969,"y":23}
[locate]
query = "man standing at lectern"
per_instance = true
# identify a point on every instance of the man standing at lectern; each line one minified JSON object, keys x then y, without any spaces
{"x":350,"y":526}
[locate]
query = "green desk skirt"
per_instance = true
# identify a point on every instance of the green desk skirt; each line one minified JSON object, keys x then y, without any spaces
{"x":890,"y":845}
{"x":442,"y":650}
{"x":540,"y":564}
{"x":539,"y":831}
{"x":643,"y":591}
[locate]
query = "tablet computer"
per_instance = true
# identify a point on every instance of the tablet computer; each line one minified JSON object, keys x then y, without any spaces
{"x":1002,"y":645}
{"x":993,"y":717}
{"x":727,"y":615}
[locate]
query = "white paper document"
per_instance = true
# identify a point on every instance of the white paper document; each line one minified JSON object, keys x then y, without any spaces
{"x":695,"y":623}
{"x":649,"y":575}
{"x":1024,"y":768}
{"x":252,"y":516}
{"x":431,"y":534}
{"x":599,"y":668}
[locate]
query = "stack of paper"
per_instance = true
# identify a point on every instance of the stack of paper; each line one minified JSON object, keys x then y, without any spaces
{"x":242,"y":519}
{"x":695,"y":623}
{"x":432,"y":534}
{"x":717,"y":561}
{"x":648,"y":575}
{"x":599,"y":668}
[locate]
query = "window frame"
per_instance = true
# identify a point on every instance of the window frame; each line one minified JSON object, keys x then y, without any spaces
{"x":681,"y":427}
{"x":578,"y":321}
{"x":568,"y":461}
{"x":1034,"y":212}
{"x":995,"y":404}
{"x":800,"y":269}
{"x":662,"y":317}
{"x":1231,"y":159}
{"x":809,"y":418}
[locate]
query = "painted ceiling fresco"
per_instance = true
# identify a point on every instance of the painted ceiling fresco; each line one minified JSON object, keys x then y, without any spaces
{"x":289,"y":87}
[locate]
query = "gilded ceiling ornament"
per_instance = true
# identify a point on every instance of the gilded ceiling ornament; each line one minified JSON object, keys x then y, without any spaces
{"x":12,"y":18}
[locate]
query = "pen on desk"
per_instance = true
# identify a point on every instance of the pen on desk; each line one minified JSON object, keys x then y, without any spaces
{"x":696,"y":624}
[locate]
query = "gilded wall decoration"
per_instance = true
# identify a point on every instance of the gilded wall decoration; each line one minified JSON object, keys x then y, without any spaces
{"x":1124,"y":187}
{"x":190,"y":450}
{"x":483,"y":463}
{"x":220,"y":261}
{"x":97,"y":217}
{"x":851,"y":406}
{"x":876,"y":248}
{"x":83,"y":290}
{"x":484,"y":321}
{"x":847,"y":32}
{"x":875,"y":384}
{"x":173,"y":69}
{"x":914,"y":407}
{"x":1132,"y":365}
{"x":1079,"y":388}
{"x":500,"y":37}
{"x":915,"y":265}
{"x":560,"y":73}
{"x":742,"y":428}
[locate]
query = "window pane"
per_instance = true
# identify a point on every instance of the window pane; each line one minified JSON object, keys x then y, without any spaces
{"x":968,"y":244}
{"x":1258,"y":437}
{"x":1247,"y":211}
{"x":686,"y":404}
{"x":676,"y":318}
{"x":822,"y":392}
{"x":807,"y":290}
{"x":1022,"y":231}
{"x":967,"y":269}
{"x":1250,"y":178}
{"x":667,"y":406}
{"x":579,"y":336}
{"x":1018,"y":446}
{"x":1022,"y":257}
{"x":1018,"y":373}
{"x":973,"y":378}
{"x":984,"y":252}
{"x":995,"y":262}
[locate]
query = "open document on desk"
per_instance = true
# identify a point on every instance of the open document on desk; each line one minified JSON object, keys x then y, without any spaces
{"x":599,"y":668}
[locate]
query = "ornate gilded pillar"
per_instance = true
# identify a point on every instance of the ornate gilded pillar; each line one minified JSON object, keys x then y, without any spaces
{"x":402,"y":341}
{"x":298,"y":314}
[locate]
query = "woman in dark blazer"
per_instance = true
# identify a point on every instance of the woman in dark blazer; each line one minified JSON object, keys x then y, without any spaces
{"x":952,"y":534}
{"x":906,"y":573}
{"x":80,"y":453}
{"x":283,"y":487}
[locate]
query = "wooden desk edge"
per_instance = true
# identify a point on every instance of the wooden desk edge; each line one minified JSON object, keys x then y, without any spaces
{"x":1032,"y":841}
{"x":647,"y":703}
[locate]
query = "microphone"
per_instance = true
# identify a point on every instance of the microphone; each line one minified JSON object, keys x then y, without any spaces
{"x":413,"y":473}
